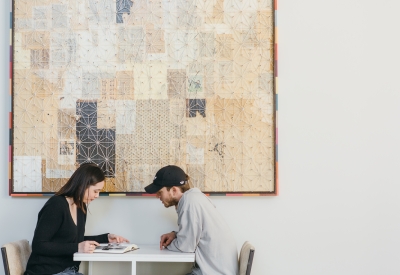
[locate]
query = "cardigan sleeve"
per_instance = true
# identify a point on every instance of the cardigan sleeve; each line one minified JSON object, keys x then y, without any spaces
{"x":50,"y":220}
{"x":103,"y":238}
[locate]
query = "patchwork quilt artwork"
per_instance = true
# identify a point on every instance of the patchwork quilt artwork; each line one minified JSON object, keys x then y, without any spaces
{"x":134,"y":85}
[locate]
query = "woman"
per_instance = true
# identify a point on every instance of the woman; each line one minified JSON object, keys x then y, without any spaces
{"x":61,"y":222}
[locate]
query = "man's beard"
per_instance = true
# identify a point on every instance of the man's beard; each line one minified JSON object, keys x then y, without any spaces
{"x":171,"y":202}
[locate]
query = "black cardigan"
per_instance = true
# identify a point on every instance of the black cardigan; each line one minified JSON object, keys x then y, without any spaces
{"x":56,"y":238}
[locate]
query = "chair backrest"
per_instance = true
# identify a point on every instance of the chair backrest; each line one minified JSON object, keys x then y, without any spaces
{"x":246,"y":258}
{"x":15,"y":257}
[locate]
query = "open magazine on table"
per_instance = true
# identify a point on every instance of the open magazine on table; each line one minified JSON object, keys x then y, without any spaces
{"x":115,"y":247}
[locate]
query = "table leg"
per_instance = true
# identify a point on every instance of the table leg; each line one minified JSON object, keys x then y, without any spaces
{"x":133,"y":272}
{"x":90,"y":268}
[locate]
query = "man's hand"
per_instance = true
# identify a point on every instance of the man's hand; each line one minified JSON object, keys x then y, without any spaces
{"x":112,"y":238}
{"x":87,"y":246}
{"x":166,"y":239}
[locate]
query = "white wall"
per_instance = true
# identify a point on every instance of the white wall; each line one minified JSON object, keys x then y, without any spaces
{"x":339,"y":111}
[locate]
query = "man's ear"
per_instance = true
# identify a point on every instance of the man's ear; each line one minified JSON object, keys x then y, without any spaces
{"x":177,"y":191}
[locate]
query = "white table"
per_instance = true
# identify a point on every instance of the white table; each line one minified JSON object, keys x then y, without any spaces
{"x":145,"y":253}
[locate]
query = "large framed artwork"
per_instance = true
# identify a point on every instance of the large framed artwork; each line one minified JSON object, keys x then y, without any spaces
{"x":136,"y":85}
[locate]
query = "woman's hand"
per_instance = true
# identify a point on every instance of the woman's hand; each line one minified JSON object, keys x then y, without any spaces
{"x":166,"y":239}
{"x":87,"y":246}
{"x":112,"y":238}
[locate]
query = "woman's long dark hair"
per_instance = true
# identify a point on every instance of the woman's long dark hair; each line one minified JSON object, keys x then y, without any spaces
{"x":86,"y":175}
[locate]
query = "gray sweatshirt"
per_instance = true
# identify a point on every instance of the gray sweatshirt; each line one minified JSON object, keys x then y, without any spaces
{"x":203,"y":230}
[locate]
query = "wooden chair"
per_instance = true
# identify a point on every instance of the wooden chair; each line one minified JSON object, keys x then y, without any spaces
{"x":246,"y":258}
{"x":15,"y":257}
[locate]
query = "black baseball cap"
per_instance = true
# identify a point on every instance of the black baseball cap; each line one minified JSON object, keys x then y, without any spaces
{"x":167,"y":176}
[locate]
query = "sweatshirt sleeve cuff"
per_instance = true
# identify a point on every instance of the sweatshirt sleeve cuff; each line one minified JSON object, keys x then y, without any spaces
{"x":173,"y":246}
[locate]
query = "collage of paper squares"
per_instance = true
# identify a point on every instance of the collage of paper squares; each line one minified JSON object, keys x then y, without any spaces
{"x":137,"y":85}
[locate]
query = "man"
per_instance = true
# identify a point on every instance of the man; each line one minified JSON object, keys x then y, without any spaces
{"x":201,"y":228}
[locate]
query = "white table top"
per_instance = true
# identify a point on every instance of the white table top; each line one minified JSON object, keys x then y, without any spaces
{"x":145,"y":253}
